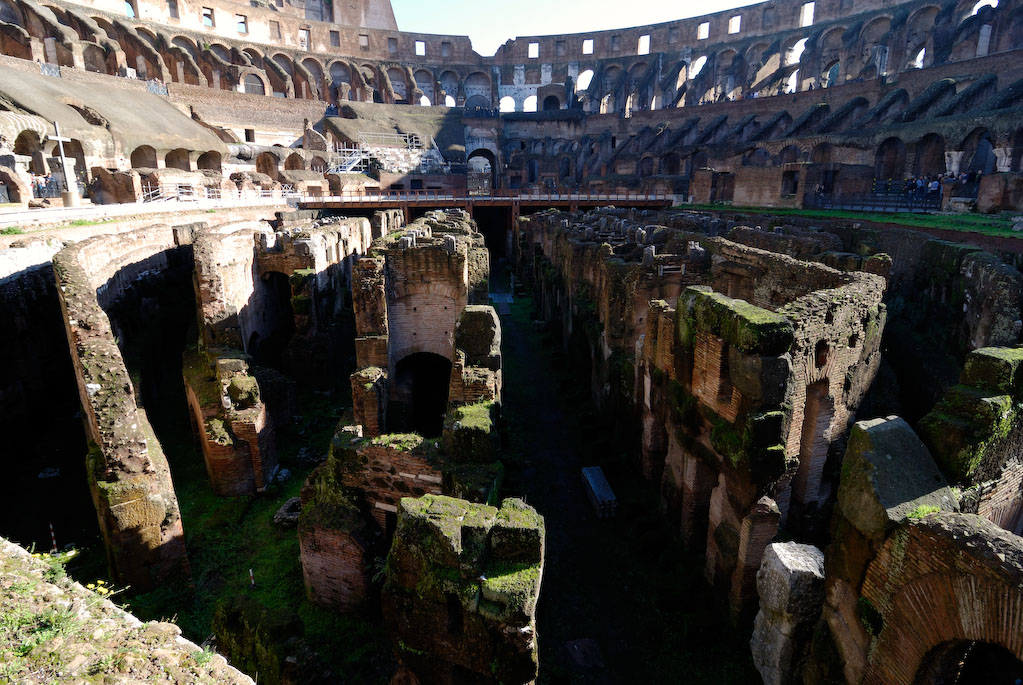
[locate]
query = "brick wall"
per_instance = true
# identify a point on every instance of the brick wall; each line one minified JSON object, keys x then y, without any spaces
{"x":334,"y":567}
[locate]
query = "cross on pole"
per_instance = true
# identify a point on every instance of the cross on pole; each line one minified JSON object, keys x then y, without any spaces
{"x":60,"y":140}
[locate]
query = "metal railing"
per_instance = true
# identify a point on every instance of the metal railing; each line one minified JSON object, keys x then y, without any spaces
{"x":409,"y":141}
{"x":461,"y":195}
{"x":877,"y":202}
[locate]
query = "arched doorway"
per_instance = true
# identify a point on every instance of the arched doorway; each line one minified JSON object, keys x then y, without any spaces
{"x":980,"y":156}
{"x":483,"y":163}
{"x":930,"y":156}
{"x":890,"y":161}
{"x":144,"y":157}
{"x":268,"y":164}
{"x":551,"y":103}
{"x":294,"y":162}
{"x":253,"y":85}
{"x":209,"y":161}
{"x":670,"y":164}
{"x":969,"y":663}
{"x":421,"y":390}
{"x":178,"y":159}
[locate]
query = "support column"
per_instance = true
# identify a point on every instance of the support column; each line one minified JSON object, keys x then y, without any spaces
{"x":50,"y":47}
{"x":1004,"y":156}
{"x":953,"y":159}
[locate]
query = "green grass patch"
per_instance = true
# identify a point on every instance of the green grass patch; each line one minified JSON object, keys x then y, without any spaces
{"x":227,"y":536}
{"x":987,"y":224}
{"x":11,"y":230}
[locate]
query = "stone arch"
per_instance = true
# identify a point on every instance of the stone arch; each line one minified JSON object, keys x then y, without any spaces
{"x":890,"y":160}
{"x":645,"y":167}
{"x":449,"y":79}
{"x":789,"y":154}
{"x":477,"y":84}
{"x":491,"y":163}
{"x":178,"y":159}
{"x":930,"y":589}
{"x":919,"y":36}
{"x":758,"y":157}
{"x":267,"y":163}
{"x":978,"y":152}
{"x":210,"y":161}
{"x":481,"y":102}
{"x":929,"y":159}
{"x":294,"y":162}
{"x":186,"y":44}
{"x":254,"y":84}
{"x":873,"y":56}
{"x":670,"y":164}
{"x":143,"y":157}
{"x":29,"y":143}
{"x":551,"y":103}
{"x":318,"y":164}
{"x":315,"y":70}
{"x":425,"y":81}
{"x":10,"y":14}
{"x":822,"y":153}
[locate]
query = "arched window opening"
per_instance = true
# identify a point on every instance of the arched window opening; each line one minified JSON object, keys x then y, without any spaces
{"x":697,"y":66}
{"x":178,"y":159}
{"x":529,"y":105}
{"x":918,"y":61}
{"x":551,"y":103}
{"x":507,"y":104}
{"x":254,"y":85}
{"x":449,"y":101}
{"x":583,"y":82}
{"x":795,"y":53}
{"x":981,"y":5}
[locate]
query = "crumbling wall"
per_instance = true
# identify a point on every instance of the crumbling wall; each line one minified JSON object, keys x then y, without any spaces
{"x":976,"y":433}
{"x":461,"y":589}
{"x":127,"y":470}
{"x":906,"y":574}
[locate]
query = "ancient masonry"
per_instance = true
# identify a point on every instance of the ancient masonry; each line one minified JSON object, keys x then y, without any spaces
{"x":261,"y":211}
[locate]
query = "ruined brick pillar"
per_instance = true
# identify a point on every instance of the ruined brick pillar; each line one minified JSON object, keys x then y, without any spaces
{"x":461,"y":590}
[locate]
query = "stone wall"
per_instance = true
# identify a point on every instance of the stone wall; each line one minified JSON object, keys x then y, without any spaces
{"x":738,"y":391}
{"x":127,"y":470}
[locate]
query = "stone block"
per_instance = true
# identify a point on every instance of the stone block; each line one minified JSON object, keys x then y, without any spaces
{"x":995,"y":369}
{"x":888,"y":475}
{"x":244,"y":391}
{"x":745,"y":326}
{"x":791,"y":586}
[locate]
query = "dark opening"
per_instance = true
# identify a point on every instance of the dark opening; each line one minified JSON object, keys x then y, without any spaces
{"x":455,"y":624}
{"x":495,"y":224}
{"x":422,"y":391}
{"x":277,"y":321}
{"x":551,"y":103}
{"x":969,"y":663}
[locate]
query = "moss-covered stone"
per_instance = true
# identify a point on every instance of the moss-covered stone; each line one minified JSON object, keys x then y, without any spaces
{"x":887,"y":473}
{"x":995,"y":369}
{"x":470,"y":433}
{"x":244,"y":391}
{"x":963,"y":426}
{"x":741,"y":324}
